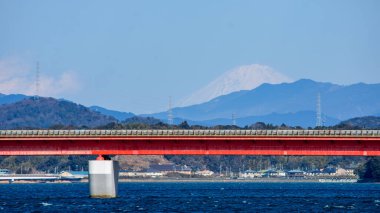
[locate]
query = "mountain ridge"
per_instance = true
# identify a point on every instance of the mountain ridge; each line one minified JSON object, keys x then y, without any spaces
{"x":121,"y":116}
{"x":303,"y":119}
{"x":11,"y":98}
{"x":340,"y":102}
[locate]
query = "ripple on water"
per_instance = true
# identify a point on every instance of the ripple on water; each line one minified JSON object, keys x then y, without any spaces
{"x":189,"y":197}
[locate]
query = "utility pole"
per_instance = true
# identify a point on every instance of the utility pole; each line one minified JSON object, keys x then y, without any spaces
{"x":233,"y":119}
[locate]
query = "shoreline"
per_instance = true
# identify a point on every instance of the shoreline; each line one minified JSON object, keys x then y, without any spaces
{"x":261,"y":180}
{"x":198,"y":180}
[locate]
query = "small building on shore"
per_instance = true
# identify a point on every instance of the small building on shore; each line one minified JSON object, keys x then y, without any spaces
{"x":296,"y":174}
{"x":314,"y":173}
{"x":137,"y":174}
{"x":204,"y":173}
{"x":165,"y":169}
{"x":329,"y":171}
{"x":74,"y":174}
{"x":250,"y":174}
{"x":345,"y":172}
{"x":273,"y":173}
{"x":5,"y":171}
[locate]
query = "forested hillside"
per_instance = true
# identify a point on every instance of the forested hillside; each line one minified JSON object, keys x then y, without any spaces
{"x":37,"y":113}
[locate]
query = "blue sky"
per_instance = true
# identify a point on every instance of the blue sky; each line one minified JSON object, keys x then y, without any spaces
{"x":133,"y":55}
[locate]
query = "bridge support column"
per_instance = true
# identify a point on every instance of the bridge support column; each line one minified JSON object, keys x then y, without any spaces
{"x":103,"y":178}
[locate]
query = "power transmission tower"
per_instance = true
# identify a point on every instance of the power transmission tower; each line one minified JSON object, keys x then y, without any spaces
{"x":233,"y":119}
{"x":319,"y":121}
{"x":37,"y":80}
{"x":170,"y":112}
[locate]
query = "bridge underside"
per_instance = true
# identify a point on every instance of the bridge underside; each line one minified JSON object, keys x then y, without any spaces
{"x":313,"y":146}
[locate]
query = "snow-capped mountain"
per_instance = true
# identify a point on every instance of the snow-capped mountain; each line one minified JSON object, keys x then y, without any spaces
{"x":337,"y":101}
{"x":245,"y":77}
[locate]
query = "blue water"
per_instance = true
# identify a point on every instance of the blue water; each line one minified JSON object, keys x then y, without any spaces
{"x":194,"y":197}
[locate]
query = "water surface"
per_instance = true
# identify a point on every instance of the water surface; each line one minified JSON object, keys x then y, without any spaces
{"x":195,"y":197}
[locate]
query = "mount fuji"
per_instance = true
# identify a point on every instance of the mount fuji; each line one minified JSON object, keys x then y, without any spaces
{"x":281,"y":101}
{"x":246,"y":77}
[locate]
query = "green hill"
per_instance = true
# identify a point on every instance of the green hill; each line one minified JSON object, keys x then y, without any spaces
{"x":48,"y":112}
{"x":368,"y":122}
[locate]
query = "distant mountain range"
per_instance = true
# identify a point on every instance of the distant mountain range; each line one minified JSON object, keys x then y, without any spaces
{"x":274,"y":102}
{"x":293,"y":104}
{"x":121,"y":116}
{"x":303,"y":119}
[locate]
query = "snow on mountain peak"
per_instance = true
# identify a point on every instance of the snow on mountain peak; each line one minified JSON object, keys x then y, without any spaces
{"x":245,"y":77}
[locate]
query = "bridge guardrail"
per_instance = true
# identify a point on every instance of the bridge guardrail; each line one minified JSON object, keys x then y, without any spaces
{"x":61,"y":133}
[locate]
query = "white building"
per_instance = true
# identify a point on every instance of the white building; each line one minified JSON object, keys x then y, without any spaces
{"x":251,"y":174}
{"x":205,"y":173}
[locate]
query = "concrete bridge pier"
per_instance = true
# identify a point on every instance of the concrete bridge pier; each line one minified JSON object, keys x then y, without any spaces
{"x":103,"y":175}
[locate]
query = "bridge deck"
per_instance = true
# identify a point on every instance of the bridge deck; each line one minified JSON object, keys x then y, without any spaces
{"x":190,"y":142}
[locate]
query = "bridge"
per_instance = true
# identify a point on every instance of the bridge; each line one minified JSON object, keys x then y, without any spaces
{"x":103,"y":172}
{"x":190,"y":142}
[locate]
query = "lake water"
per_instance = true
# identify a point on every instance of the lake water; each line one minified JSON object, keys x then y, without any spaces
{"x":195,"y":197}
